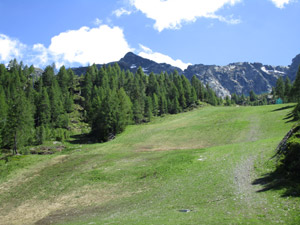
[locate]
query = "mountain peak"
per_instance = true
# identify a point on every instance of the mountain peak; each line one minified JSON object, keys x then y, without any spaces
{"x":134,"y":61}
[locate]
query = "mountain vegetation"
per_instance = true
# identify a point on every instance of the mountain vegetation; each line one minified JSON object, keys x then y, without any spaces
{"x":36,"y":109}
{"x":209,"y":164}
{"x":239,"y":77}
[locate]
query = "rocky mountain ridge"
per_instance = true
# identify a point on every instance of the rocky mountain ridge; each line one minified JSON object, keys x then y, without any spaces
{"x":239,"y":78}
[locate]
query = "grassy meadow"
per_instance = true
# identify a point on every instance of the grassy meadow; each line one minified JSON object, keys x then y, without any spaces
{"x":201,"y":167}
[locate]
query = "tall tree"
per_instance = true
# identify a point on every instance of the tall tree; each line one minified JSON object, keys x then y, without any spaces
{"x":280,"y":88}
{"x":295,"y":92}
{"x":19,"y":125}
{"x":3,"y":113}
{"x":124,"y":112}
{"x":253,"y":96}
{"x":148,"y":108}
{"x":287,"y":88}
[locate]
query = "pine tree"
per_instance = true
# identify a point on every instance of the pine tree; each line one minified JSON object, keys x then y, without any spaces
{"x":175,"y":106}
{"x":155,"y":104}
{"x":193,"y":98}
{"x":252,"y":96}
{"x":124,"y":114}
{"x":19,"y":125}
{"x":227,"y":101}
{"x":138,"y":111}
{"x":3,"y":113}
{"x":163,"y":105}
{"x":63,"y":79}
{"x":280,"y":88}
{"x":44,"y":109}
{"x":148,"y":108}
{"x":56,"y":103}
{"x":48,"y":76}
{"x":287,"y":89}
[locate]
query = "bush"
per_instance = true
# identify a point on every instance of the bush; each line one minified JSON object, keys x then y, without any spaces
{"x":291,"y":159}
{"x":296,"y":112}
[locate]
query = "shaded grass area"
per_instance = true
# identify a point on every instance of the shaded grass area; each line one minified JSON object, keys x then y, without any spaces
{"x":204,"y":161}
{"x":278,"y":180}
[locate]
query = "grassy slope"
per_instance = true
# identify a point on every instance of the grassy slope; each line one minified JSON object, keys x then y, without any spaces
{"x":205,"y":161}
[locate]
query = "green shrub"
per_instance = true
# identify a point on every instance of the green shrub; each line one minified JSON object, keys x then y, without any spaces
{"x":296,"y":112}
{"x":291,"y":160}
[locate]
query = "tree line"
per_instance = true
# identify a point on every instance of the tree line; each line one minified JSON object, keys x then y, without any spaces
{"x":35,"y":109}
{"x":114,"y":98}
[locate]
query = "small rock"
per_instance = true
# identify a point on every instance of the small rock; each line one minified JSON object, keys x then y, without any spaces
{"x":184,"y":210}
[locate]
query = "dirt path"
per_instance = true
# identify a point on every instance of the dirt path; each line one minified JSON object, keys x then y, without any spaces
{"x":244,"y":173}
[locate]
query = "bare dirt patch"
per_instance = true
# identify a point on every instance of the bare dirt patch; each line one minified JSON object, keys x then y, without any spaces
{"x":48,"y":211}
{"x":27,"y":175}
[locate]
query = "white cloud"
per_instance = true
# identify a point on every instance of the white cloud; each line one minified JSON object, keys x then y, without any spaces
{"x":171,"y":14}
{"x":280,"y":3}
{"x":97,"y":21}
{"x":10,"y":48}
{"x":161,"y":58}
{"x":97,"y":45}
{"x":228,"y":20}
{"x":121,"y":11}
{"x":40,"y":55}
{"x":84,"y":46}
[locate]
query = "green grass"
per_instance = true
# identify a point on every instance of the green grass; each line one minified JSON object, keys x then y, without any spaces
{"x":205,"y":161}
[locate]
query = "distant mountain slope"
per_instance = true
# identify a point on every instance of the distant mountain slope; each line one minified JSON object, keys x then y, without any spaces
{"x":293,"y":68}
{"x":132,"y":62}
{"x":238,"y":78}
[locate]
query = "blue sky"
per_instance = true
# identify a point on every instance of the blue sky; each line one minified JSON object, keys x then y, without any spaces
{"x":179,"y":32}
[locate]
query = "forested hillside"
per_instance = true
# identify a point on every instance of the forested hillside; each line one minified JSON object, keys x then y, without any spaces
{"x":35,"y":108}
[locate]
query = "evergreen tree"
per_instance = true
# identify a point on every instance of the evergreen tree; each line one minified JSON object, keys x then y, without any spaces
{"x":163,"y":105}
{"x":287,"y":89}
{"x":3,"y":113}
{"x":175,"y":106}
{"x":253,"y":96}
{"x":44,"y":109}
{"x":227,"y":101}
{"x":295,"y":92}
{"x":48,"y":76}
{"x":56,"y":103}
{"x":124,"y":114}
{"x":19,"y":124}
{"x":138,"y":111}
{"x":148,"y":108}
{"x":280,"y":88}
{"x":155,"y":104}
{"x":63,"y":79}
{"x":193,"y":98}
{"x":234,"y":98}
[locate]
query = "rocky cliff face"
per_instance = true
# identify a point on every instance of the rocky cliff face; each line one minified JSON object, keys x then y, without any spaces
{"x":239,"y":78}
{"x":293,"y":68}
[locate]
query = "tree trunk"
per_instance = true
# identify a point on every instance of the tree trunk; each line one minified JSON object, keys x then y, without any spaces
{"x":15,"y":152}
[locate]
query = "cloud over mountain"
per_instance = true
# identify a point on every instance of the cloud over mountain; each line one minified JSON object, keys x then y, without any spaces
{"x":73,"y":47}
{"x":161,"y":58}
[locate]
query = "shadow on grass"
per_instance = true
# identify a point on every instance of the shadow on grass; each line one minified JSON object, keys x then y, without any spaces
{"x":290,"y":118}
{"x":283,"y":108}
{"x":81,"y":139}
{"x":278,"y":180}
